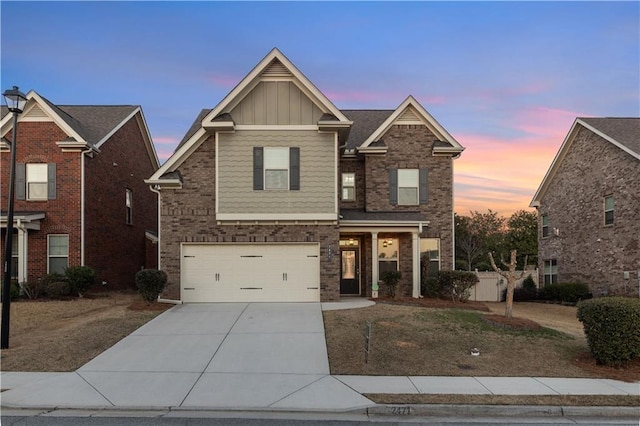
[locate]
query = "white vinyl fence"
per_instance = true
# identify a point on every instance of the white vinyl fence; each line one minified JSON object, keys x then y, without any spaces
{"x":491,"y":285}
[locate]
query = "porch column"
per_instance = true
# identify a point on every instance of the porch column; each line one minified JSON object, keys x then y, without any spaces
{"x":416,"y":264}
{"x":374,"y":259}
{"x":22,"y":254}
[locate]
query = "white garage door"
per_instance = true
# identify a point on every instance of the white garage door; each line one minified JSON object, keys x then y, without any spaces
{"x":250,"y":273}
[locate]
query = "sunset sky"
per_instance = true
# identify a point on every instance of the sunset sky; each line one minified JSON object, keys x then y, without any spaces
{"x":506,"y":79}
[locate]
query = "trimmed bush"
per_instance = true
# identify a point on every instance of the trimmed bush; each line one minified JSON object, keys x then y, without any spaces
{"x":150,"y":283}
{"x":58,"y":289}
{"x":80,"y":278}
{"x":391,"y":279}
{"x":33,"y":289}
{"x":570,"y":293}
{"x":456,"y":284}
{"x":612,"y":327}
{"x":14,"y":289}
{"x":527,"y":292}
{"x":431,"y":287}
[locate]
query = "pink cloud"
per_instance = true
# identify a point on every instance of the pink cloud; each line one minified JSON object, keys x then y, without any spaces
{"x":224,"y":80}
{"x":165,"y":140}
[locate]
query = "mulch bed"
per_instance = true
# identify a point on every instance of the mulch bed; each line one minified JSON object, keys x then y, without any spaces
{"x":433,"y":303}
{"x":629,"y":372}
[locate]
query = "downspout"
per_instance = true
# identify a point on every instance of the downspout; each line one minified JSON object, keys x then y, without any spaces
{"x":82,"y":204}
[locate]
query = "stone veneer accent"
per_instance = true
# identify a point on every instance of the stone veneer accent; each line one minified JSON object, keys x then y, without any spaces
{"x":586,"y":249}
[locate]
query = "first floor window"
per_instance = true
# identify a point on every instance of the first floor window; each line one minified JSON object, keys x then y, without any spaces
{"x":348,"y":186}
{"x":129,"y":206}
{"x":14,"y":256}
{"x":37,"y":181}
{"x":58,"y":252}
{"x":545,"y":225}
{"x":430,"y":252}
{"x":609,"y":203}
{"x":550,"y":271}
{"x":387,"y":255}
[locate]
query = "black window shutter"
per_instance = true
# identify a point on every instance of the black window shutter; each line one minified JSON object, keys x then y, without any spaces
{"x":393,"y":186}
{"x":258,"y":172}
{"x":51,"y":181}
{"x":424,"y":187}
{"x":21,"y":181}
{"x":294,"y":169}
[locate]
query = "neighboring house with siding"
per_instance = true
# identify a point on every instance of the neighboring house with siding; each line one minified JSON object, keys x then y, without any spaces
{"x":80,"y":196}
{"x":589,"y":208}
{"x":275,"y":194}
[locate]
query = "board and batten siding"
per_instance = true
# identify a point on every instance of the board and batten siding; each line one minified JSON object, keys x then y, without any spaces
{"x":317,"y":173}
{"x":276,"y":103}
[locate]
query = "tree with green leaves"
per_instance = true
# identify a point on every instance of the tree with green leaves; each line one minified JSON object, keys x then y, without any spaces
{"x":522,"y":234}
{"x":475,"y":236}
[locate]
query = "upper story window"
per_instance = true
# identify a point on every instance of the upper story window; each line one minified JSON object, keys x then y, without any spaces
{"x":276,"y":168}
{"x":348,"y":186}
{"x":609,"y":203}
{"x":408,"y":187}
{"x":545,"y":225}
{"x":35,"y":181}
{"x":129,"y":206}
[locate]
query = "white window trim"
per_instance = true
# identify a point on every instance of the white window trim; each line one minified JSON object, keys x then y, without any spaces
{"x":128,"y":206}
{"x":265,"y":168}
{"x":349,"y":186}
{"x":49,"y":256}
{"x":396,"y":259}
{"x":612,"y":210}
{"x":543,"y":226}
{"x":416,"y":186}
{"x":45,"y":182}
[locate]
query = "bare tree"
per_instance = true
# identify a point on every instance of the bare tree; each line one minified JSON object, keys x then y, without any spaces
{"x":510,"y":276}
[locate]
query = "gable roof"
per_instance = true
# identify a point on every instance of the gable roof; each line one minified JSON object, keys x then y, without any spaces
{"x":91,"y":125}
{"x":623,"y":133}
{"x":411,"y":112}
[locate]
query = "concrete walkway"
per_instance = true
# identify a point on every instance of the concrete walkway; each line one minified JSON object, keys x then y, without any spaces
{"x":258,"y":356}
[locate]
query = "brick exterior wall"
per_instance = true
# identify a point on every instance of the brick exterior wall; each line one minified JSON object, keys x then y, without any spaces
{"x":188,"y":215}
{"x":36,"y":143}
{"x":115,"y":249}
{"x":586,"y":249}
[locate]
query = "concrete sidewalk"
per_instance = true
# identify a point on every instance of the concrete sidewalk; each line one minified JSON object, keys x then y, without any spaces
{"x":239,"y":356}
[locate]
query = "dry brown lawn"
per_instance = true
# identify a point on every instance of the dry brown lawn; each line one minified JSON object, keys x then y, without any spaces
{"x":428,"y":341}
{"x":63,"y":335}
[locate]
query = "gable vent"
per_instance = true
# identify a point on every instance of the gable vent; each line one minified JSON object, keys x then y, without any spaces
{"x":276,"y":69}
{"x":409,"y":116}
{"x":36,"y":112}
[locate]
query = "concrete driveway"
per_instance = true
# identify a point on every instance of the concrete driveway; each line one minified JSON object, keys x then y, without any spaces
{"x":222,"y":355}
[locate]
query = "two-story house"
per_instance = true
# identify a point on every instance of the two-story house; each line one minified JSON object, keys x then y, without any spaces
{"x":80,"y":196}
{"x":589,"y":208}
{"x":275,"y":194}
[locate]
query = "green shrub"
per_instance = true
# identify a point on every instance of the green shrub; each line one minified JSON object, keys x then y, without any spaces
{"x":612,"y":327}
{"x":431,"y":287}
{"x":80,"y":278}
{"x":529,"y":284}
{"x":528,"y":291}
{"x":150,"y":283}
{"x":58,"y":289}
{"x":14,"y":290}
{"x":570,"y":293}
{"x":391,"y":279}
{"x":33,"y":289}
{"x":456,"y":284}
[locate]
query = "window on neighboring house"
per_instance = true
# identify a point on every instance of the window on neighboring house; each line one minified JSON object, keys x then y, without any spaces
{"x":609,"y":203}
{"x":387,"y":255}
{"x":35,"y":181}
{"x":276,"y":168}
{"x":550,"y":271}
{"x":348,"y":186}
{"x":545,"y":225}
{"x":58,"y":251}
{"x":408,"y":187}
{"x":430,"y":251}
{"x":129,"y":206}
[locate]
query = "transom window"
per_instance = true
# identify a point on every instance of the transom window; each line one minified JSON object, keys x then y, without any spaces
{"x":348,"y":186}
{"x":37,"y":181}
{"x":550,"y":271}
{"x":408,"y":182}
{"x":276,"y":168}
{"x":545,"y":225}
{"x":609,"y":203}
{"x":58,"y":252}
{"x":387,"y":254}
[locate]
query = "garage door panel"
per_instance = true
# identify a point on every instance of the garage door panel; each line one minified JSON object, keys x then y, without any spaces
{"x":250,"y":273}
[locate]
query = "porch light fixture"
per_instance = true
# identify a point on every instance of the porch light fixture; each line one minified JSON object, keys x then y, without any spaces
{"x":16,"y":101}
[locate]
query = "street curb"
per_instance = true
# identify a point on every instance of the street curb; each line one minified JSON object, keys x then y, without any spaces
{"x":431,"y":410}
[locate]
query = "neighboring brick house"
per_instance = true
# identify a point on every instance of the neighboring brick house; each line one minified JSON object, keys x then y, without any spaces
{"x":80,"y":196}
{"x":277,"y":195}
{"x":589,"y":208}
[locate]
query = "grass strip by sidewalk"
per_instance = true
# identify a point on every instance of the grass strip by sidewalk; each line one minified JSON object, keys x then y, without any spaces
{"x":550,"y":400}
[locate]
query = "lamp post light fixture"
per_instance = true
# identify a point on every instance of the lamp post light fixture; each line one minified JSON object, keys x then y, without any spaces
{"x":16,"y":101}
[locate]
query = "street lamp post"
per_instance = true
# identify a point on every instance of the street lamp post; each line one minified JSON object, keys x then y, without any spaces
{"x":16,"y":101}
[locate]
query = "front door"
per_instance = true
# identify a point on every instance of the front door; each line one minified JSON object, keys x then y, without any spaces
{"x":349,"y":271}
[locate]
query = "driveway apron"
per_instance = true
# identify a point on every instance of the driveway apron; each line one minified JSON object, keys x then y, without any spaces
{"x":224,"y":355}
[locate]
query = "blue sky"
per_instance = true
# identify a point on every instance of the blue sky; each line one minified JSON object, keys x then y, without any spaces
{"x":507,"y":79}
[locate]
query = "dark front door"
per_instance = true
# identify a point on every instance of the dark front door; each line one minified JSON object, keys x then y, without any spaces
{"x":349,"y":271}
